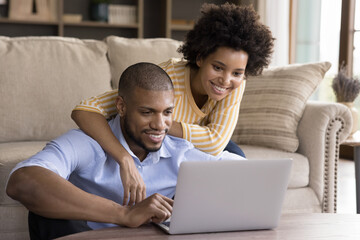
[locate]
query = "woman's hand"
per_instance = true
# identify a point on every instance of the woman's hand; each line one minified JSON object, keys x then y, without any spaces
{"x":96,"y":126}
{"x":133,"y":183}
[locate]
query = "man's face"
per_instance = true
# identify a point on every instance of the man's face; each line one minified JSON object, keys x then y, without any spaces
{"x":146,"y":117}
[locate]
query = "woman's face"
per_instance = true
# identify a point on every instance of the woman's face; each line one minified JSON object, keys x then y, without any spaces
{"x":221,"y":72}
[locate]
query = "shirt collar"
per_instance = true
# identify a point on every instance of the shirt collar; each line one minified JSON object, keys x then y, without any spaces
{"x":152,"y":157}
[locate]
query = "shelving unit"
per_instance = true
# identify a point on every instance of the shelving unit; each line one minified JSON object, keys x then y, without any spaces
{"x":170,"y":26}
{"x":180,"y":16}
{"x":165,"y":18}
{"x":83,"y":29}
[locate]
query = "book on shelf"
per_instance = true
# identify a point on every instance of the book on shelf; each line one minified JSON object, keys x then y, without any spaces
{"x":122,"y":14}
{"x":72,"y":18}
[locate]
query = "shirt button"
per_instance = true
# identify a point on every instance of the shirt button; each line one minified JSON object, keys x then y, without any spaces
{"x":139,"y":167}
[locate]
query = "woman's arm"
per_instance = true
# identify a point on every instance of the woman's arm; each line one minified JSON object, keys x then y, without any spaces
{"x":96,"y":126}
{"x":176,"y":130}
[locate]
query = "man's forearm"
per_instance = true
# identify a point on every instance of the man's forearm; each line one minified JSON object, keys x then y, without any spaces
{"x":47,"y":194}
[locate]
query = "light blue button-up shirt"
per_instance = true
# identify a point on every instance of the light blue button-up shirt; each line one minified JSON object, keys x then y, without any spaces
{"x":80,"y":159}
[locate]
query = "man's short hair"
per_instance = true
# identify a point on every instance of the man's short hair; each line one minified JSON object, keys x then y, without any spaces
{"x":144,"y":75}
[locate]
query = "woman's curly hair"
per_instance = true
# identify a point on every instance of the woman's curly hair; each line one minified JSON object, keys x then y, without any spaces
{"x":233,"y":26}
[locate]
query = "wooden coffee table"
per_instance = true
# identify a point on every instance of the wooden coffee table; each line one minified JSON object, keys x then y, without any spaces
{"x":291,"y":226}
{"x":354,"y":142}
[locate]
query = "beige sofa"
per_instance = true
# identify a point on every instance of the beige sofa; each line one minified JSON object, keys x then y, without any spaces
{"x":42,"y":78}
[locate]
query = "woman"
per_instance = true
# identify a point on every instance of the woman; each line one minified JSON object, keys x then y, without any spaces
{"x":226,"y":44}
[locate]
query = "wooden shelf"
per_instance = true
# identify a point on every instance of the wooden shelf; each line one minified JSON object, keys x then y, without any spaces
{"x":181,"y":27}
{"x":30,"y":22}
{"x":170,"y":19}
{"x":181,"y":15}
{"x":100,"y":24}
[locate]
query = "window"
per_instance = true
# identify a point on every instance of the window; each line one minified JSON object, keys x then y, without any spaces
{"x":319,"y":30}
{"x":326,"y":30}
{"x":315,"y":36}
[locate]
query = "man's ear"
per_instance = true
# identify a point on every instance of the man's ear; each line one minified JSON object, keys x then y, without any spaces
{"x":120,"y":105}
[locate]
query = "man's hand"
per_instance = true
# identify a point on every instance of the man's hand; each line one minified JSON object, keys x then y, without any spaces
{"x":156,"y":208}
{"x":132,"y":182}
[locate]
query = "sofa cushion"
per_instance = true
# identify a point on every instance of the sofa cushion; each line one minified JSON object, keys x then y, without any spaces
{"x":301,"y":200}
{"x":42,"y":79}
{"x":14,"y":224}
{"x":124,"y":52}
{"x":12,"y":154}
{"x":13,"y":215}
{"x":300,"y":171}
{"x":273,"y":104}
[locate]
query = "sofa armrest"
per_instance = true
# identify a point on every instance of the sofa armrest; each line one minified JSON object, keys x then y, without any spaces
{"x":321,"y":129}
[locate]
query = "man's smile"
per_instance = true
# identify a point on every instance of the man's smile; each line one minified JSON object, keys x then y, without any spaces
{"x":156,"y":137}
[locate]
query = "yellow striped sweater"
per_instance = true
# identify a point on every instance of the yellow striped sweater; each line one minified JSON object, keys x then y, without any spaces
{"x":209,"y":128}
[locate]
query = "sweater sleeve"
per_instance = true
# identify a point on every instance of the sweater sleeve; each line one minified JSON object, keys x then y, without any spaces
{"x":214,"y":132}
{"x":103,"y":104}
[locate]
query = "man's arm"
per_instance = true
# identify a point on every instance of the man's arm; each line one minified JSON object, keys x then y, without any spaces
{"x":47,"y":194}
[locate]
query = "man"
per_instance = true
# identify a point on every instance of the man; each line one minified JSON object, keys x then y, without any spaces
{"x":73,"y":186}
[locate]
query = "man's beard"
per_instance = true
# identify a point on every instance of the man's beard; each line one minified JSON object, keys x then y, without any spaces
{"x":138,"y":141}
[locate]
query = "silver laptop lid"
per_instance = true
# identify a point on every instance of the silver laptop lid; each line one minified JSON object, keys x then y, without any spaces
{"x":229,"y":195}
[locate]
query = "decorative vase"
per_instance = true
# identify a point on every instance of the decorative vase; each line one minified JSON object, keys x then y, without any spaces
{"x":354,"y":114}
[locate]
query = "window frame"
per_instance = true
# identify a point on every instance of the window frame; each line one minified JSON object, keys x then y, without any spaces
{"x":346,"y":48}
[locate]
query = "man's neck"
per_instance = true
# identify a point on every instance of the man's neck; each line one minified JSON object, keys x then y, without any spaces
{"x":140,"y":154}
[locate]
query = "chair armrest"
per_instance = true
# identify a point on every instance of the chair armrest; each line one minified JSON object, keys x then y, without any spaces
{"x":321,"y":129}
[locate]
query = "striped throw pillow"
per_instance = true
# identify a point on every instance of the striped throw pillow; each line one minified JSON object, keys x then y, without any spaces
{"x":273,"y":104}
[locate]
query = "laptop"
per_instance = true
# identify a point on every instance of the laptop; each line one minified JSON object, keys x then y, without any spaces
{"x":228,"y":196}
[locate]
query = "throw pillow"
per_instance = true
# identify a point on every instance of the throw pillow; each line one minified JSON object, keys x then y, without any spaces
{"x":273,"y":104}
{"x":42,"y":79}
{"x":124,"y":52}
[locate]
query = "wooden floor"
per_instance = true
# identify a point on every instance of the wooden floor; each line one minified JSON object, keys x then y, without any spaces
{"x":346,"y":198}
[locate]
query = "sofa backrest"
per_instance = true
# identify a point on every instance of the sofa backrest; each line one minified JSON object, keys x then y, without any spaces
{"x":42,"y":79}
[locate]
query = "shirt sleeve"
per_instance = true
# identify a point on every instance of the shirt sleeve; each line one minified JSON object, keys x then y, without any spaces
{"x":103,"y":104}
{"x":214,"y":132}
{"x":73,"y":151}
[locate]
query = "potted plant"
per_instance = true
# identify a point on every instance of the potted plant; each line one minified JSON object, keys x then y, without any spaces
{"x":346,"y":90}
